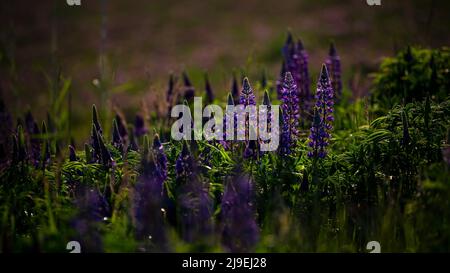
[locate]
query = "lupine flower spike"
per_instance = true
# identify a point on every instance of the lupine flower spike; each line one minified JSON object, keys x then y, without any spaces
{"x":209,"y":91}
{"x":291,"y":115}
{"x":333,"y":63}
{"x":247,"y":98}
{"x":323,"y":116}
{"x":160,"y":157}
{"x":189,"y":90}
{"x":239,"y":229}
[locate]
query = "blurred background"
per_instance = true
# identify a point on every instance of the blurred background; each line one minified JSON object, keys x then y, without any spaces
{"x":120,"y":53}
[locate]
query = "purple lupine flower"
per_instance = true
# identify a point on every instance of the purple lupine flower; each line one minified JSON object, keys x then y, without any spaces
{"x":333,"y":63}
{"x":323,"y":116}
{"x":116,"y":137}
{"x":281,"y":79}
{"x":184,"y":164}
{"x":226,"y":144}
{"x":302,"y":79}
{"x":160,"y":156}
{"x":247,"y":98}
{"x":209,"y":91}
{"x":132,"y":143}
{"x":235,"y":92}
{"x":251,"y":150}
{"x":95,"y":120}
{"x":195,"y":210}
{"x":147,"y":210}
{"x":189,"y":90}
{"x":268,"y":104}
{"x":122,"y":126}
{"x":291,"y":115}
{"x":240,"y":232}
{"x":72,"y":154}
{"x":92,"y":210}
{"x":139,"y":126}
{"x":94,"y":141}
{"x":106,"y":157}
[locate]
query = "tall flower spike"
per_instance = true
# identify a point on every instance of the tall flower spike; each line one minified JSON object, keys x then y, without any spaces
{"x":290,"y":108}
{"x":184,"y":164}
{"x":268,"y":124}
{"x":333,"y":63}
{"x":96,"y":153}
{"x":160,"y":156}
{"x":95,"y":120}
{"x":72,"y":154}
{"x":189,"y":90}
{"x":208,"y":89}
{"x":281,"y":78}
{"x":226,"y":144}
{"x":122,"y":126}
{"x":139,"y":126}
{"x":116,"y":137}
{"x":247,"y":98}
{"x":302,"y":78}
{"x":92,"y":208}
{"x":148,"y":218}
{"x":240,"y":232}
{"x":196,"y":210}
{"x":323,"y":116}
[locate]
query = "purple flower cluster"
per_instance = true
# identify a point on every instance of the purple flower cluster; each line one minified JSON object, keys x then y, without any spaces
{"x":208,"y":90}
{"x":92,"y":210}
{"x":226,"y":144}
{"x":100,"y":153}
{"x":195,"y":210}
{"x":189,"y":90}
{"x":240,"y":231}
{"x":160,"y":157}
{"x":184,"y":164}
{"x":333,"y":63}
{"x":139,"y":126}
{"x":147,"y":210}
{"x":296,"y":62}
{"x":323,"y":116}
{"x":247,"y":98}
{"x":290,"y":114}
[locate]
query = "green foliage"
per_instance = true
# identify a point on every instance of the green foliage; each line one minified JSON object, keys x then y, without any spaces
{"x":411,"y":75}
